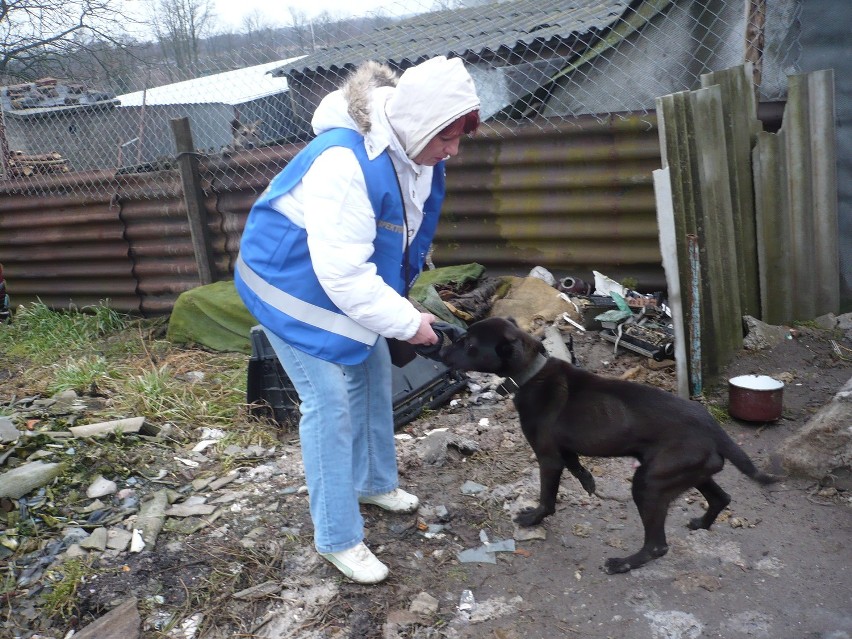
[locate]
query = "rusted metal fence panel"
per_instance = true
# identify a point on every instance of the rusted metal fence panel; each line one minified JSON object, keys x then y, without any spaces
{"x":797,"y":205}
{"x":232,"y":186}
{"x":65,"y":250}
{"x":571,"y":197}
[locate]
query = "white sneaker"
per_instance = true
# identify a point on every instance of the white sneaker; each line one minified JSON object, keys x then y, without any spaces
{"x":396,"y":501}
{"x":359,"y":564}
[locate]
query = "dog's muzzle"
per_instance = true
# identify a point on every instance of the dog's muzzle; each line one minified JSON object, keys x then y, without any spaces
{"x":447,"y":334}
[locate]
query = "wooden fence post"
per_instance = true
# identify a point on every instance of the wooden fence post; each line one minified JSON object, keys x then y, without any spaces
{"x":193,"y":196}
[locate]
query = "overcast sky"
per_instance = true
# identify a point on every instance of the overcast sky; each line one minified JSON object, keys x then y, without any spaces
{"x":232,"y":13}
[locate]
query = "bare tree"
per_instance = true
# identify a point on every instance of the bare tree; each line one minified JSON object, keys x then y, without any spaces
{"x":257,"y":23}
{"x":326,"y":29}
{"x":180,"y":26}
{"x":35,"y":34}
{"x":302,"y":29}
{"x":261,"y":36}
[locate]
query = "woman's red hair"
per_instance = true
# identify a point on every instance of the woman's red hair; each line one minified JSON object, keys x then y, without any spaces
{"x":468,"y":123}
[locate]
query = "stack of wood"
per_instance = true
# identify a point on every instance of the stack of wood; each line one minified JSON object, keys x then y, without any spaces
{"x":26,"y":164}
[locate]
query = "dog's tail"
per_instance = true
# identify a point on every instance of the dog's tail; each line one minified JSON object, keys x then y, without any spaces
{"x":738,"y":457}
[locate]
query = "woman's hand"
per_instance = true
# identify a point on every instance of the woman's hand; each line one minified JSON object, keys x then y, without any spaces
{"x":425,"y":334}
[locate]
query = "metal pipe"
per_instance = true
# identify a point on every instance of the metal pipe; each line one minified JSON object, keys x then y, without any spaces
{"x":694,"y":356}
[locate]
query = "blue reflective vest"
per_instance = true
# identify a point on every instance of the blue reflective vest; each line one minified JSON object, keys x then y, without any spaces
{"x":274,"y":275}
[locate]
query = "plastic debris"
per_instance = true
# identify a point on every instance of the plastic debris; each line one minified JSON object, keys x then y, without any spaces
{"x":486,"y":553}
{"x":466,"y":601}
{"x":137,"y":544}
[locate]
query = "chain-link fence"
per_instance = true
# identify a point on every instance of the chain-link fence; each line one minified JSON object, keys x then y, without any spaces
{"x":252,"y":92}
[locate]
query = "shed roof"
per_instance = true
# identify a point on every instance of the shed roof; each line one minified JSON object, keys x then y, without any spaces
{"x":229,"y":87}
{"x":479,"y":32}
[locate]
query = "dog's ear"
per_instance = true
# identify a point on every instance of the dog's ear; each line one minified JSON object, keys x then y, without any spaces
{"x":512,"y":320}
{"x":508,"y":340}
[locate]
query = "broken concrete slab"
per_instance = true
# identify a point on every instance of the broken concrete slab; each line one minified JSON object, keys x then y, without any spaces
{"x":19,"y":481}
{"x":125,"y":426}
{"x":152,"y":517}
{"x":760,"y":335}
{"x":122,"y":622}
{"x":822,"y":449}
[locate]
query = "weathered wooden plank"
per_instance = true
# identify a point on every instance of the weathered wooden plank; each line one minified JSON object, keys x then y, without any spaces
{"x":739,"y":110}
{"x":720,"y":296}
{"x":669,"y":251}
{"x":772,"y":216}
{"x":798,"y":157}
{"x":194,"y":198}
{"x":824,"y":191}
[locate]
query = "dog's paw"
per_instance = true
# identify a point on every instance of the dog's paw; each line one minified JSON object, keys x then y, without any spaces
{"x":616,"y":565}
{"x":529,"y":517}
{"x":698,"y":523}
{"x":588,"y":483}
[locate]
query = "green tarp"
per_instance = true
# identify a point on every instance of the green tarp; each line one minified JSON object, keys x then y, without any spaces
{"x":214,"y":315}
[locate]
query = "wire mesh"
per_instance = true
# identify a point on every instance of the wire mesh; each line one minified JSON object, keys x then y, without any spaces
{"x":249,"y":91}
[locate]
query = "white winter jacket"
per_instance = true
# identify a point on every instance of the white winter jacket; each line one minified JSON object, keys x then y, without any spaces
{"x":331,"y":203}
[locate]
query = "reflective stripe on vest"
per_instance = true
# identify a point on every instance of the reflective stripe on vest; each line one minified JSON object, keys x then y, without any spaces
{"x":292,"y":303}
{"x":303,"y":311}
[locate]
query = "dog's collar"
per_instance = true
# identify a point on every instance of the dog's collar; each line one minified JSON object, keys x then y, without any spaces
{"x":511,"y":384}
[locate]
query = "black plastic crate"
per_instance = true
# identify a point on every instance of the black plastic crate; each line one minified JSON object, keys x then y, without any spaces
{"x":269,"y":391}
{"x":421,"y":384}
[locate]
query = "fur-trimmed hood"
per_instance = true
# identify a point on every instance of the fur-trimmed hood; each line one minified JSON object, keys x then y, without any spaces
{"x":359,"y":105}
{"x":404,"y":112}
{"x":358,"y":91}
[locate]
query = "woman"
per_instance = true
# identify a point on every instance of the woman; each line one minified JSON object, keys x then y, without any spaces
{"x":327,"y":257}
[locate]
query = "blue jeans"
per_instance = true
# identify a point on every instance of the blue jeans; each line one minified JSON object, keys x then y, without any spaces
{"x":347,"y":437}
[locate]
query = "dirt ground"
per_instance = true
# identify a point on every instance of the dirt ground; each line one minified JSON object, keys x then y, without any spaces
{"x":776,"y":564}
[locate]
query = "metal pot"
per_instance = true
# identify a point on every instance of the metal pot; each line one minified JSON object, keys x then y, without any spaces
{"x":755,"y":398}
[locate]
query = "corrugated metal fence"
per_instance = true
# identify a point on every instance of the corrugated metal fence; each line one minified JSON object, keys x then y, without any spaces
{"x":568,"y":195}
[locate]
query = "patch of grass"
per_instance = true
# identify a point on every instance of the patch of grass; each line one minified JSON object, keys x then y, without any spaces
{"x":807,"y":324}
{"x":719,"y":413}
{"x":100,"y":349}
{"x":160,"y":396}
{"x":86,"y":374}
{"x":630,"y":282}
{"x":61,"y":598}
{"x":252,"y":433}
{"x":40,"y":333}
{"x":457,"y":575}
{"x":231,"y":567}
{"x":7,"y":582}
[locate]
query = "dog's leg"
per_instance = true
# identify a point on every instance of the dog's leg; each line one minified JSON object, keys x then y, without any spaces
{"x":550,"y":472}
{"x":717,"y":500}
{"x":572,"y":463}
{"x":653,"y":504}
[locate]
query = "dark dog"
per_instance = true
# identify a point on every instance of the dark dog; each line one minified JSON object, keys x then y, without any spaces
{"x":566,"y":411}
